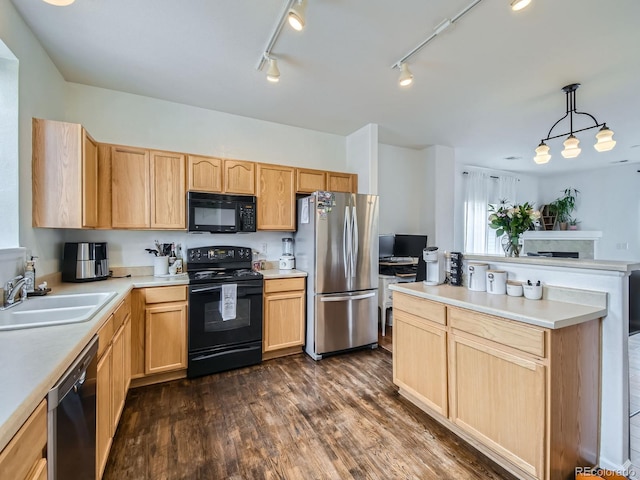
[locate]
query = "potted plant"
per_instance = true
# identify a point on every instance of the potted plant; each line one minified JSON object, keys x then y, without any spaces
{"x":511,"y":221}
{"x":573,"y":224}
{"x":562,"y":207}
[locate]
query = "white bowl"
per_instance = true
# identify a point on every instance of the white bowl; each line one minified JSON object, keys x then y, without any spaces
{"x":514,"y":289}
{"x":532,"y":292}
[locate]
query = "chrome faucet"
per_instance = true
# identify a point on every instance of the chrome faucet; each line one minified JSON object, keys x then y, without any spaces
{"x":11,"y":290}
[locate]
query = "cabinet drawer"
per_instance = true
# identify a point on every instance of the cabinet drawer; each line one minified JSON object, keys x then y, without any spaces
{"x":26,"y":448}
{"x":283,"y":285}
{"x":121,"y":313}
{"x":436,"y":312}
{"x":165,"y":294}
{"x":526,"y":338}
{"x":105,"y":334}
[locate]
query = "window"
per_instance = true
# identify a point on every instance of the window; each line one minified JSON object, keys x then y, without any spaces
{"x":481,"y":190}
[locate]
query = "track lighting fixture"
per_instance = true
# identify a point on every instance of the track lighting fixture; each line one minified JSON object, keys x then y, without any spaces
{"x":273,"y":73}
{"x":517,"y":5}
{"x":296,"y":14}
{"x":406,"y":77}
{"x":604,"y":137}
{"x":60,"y":3}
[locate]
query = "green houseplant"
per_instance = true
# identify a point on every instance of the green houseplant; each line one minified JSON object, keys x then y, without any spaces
{"x":562,"y":207}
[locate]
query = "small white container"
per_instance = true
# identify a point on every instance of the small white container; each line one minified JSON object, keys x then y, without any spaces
{"x":532,"y":292}
{"x":477,"y":276}
{"x":161,"y":265}
{"x":496,"y":282}
{"x":514,"y":289}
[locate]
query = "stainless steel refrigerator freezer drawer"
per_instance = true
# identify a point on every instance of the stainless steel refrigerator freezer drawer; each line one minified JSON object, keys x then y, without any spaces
{"x":346,"y":320}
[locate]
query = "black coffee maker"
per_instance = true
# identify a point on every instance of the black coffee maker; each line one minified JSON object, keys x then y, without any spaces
{"x":85,"y":262}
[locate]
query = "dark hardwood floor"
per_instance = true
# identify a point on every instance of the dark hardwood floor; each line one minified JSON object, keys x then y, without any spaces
{"x":289,"y":418}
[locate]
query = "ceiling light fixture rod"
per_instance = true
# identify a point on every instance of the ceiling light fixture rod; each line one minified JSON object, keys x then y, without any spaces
{"x":275,"y":34}
{"x":437,"y":30}
{"x":570,"y":91}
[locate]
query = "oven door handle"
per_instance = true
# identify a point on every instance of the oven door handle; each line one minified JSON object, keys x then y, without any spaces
{"x":206,"y":289}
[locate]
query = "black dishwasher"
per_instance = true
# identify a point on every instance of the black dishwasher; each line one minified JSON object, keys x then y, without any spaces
{"x":71,"y":445}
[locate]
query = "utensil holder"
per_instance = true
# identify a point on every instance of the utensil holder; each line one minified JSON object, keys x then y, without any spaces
{"x":532,"y":292}
{"x":161,"y":265}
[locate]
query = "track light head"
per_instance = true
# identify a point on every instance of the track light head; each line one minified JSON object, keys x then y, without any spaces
{"x":296,"y":16}
{"x":406,"y":77}
{"x":273,"y":73}
{"x":517,"y":5}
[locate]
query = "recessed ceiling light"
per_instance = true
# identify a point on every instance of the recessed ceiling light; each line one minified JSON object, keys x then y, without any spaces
{"x":519,"y":4}
{"x":60,"y":3}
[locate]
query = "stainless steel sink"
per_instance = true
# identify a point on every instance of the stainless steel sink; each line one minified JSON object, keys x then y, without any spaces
{"x":54,"y":310}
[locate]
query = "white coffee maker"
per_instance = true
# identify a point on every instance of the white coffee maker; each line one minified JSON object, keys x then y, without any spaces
{"x":434,"y":264}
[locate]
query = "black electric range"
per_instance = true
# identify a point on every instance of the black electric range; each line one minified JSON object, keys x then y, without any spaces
{"x":225,"y":310}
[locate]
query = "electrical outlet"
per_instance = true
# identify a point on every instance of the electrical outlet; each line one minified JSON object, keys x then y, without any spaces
{"x":264,"y":248}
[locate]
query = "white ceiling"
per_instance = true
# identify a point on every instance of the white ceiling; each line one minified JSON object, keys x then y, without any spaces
{"x":490,"y":86}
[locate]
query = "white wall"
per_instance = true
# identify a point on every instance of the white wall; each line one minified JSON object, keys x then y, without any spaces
{"x":443,"y":160}
{"x":609,"y":201}
{"x":9,"y":153}
{"x":362,"y":157}
{"x":41,"y":94}
{"x":122,"y":118}
{"x":404,"y":199}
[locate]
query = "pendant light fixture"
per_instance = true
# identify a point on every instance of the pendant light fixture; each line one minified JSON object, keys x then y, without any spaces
{"x":296,"y":16}
{"x":604,"y":137}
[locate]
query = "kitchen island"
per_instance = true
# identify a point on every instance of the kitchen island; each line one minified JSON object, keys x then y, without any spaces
{"x":517,"y":378}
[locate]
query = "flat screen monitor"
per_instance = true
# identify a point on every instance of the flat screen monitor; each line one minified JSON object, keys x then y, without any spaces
{"x":385,"y":244}
{"x":409,"y":245}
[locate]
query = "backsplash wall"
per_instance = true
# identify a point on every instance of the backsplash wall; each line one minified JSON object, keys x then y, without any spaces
{"x":12,"y":262}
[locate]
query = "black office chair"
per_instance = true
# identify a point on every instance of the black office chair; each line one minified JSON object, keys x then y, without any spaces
{"x":421,"y":270}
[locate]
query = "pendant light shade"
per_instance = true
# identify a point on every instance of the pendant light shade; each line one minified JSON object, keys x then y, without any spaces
{"x":406,"y":77}
{"x":273,"y":73}
{"x":571,"y":149}
{"x":519,"y":4}
{"x":296,"y":16}
{"x":60,"y":3}
{"x":605,"y":140}
{"x":542,"y":154}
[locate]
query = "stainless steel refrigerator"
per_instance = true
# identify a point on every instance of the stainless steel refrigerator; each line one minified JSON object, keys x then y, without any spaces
{"x":337,"y":245}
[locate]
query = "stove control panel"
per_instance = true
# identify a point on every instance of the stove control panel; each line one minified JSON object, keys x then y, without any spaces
{"x":218,"y":254}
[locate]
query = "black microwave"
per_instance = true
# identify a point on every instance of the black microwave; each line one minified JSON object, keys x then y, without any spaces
{"x":217,"y":213}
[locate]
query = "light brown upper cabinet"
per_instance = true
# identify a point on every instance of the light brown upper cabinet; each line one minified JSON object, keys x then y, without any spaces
{"x":342,"y":182}
{"x":130,"y":188}
{"x":64,"y":176}
{"x":168,"y":190}
{"x":309,"y":181}
{"x":205,"y":174}
{"x":239,"y":177}
{"x":276,"y":197}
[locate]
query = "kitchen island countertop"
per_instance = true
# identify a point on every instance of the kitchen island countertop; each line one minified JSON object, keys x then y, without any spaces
{"x":550,"y":314}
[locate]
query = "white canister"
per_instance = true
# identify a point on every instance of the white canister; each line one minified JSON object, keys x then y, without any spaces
{"x":161,"y":265}
{"x":477,"y":276}
{"x":496,"y":282}
{"x":514,"y":289}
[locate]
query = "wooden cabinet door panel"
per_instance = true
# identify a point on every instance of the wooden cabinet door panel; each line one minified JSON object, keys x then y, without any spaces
{"x":309,"y":181}
{"x":420,"y":360}
{"x":104,"y":425}
{"x":90,"y":181}
{"x":25,"y":450}
{"x":284,"y":320}
{"x":276,"y":198}
{"x":205,"y":174}
{"x":130,"y":189}
{"x":168,"y":190}
{"x":342,"y":182}
{"x":239,"y":177}
{"x":500,"y":399}
{"x":166,"y":338}
{"x":117,"y":377}
{"x":127,"y":354}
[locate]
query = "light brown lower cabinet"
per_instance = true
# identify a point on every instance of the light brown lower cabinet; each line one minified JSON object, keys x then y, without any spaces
{"x":284,"y":317}
{"x":526,"y":396}
{"x":113,"y":378}
{"x":24,"y":457}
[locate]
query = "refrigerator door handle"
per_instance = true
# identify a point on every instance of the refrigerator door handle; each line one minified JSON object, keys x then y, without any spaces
{"x":347,"y":298}
{"x":346,"y":242}
{"x":355,"y":241}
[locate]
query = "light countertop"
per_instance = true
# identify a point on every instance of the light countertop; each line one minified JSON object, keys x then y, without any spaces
{"x":275,"y":273}
{"x":550,"y":314}
{"x":33,"y":359}
{"x":584,"y":263}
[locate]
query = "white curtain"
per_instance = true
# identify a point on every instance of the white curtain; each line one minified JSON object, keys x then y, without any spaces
{"x":482,"y":189}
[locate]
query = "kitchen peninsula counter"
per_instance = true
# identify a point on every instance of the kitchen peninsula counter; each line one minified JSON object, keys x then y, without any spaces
{"x":552,"y":314}
{"x":275,"y":273}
